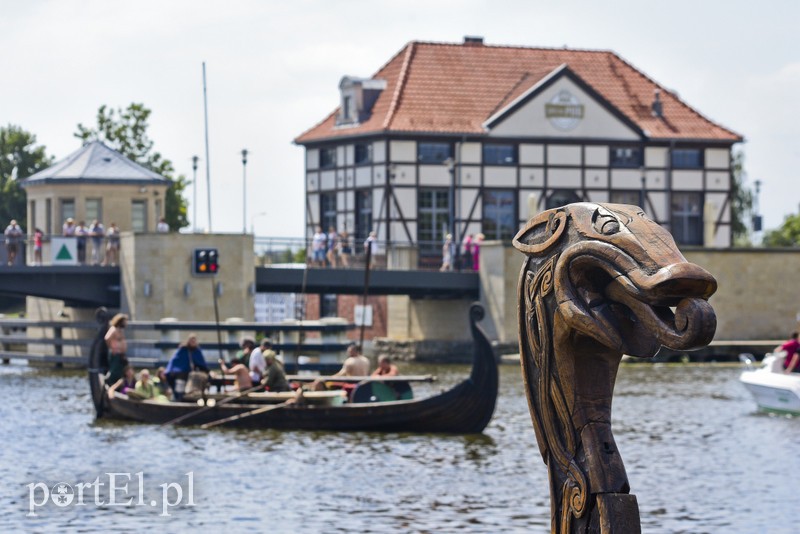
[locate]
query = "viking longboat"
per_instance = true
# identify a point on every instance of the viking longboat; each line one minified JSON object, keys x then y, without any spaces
{"x":464,"y":409}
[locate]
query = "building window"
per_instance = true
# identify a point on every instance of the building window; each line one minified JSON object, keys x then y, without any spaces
{"x":94,"y":209}
{"x":139,"y":215}
{"x":561,"y":197}
{"x":499,"y":214}
{"x":328,"y":306}
{"x":433,"y":152}
{"x":363,"y":153}
{"x":626,"y":157}
{"x":363,"y":214}
{"x":687,"y":218}
{"x":626,"y":197}
{"x":67,"y":209}
{"x":32,"y":217}
{"x":347,"y":108}
{"x":327,"y":210}
{"x":434,"y":216}
{"x":48,"y":216}
{"x":327,"y":158}
{"x":687,"y":158}
{"x":499,"y":155}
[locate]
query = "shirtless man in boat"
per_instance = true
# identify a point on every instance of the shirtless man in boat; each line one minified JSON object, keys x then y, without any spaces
{"x":241,"y":375}
{"x":356,"y":364}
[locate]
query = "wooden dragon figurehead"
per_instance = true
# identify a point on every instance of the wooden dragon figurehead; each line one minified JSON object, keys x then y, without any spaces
{"x":599,"y":281}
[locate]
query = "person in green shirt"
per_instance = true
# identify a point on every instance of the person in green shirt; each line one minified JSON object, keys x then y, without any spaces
{"x":146,"y":389}
{"x":275,"y":376}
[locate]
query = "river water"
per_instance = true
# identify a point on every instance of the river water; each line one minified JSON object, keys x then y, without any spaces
{"x":698,"y":455}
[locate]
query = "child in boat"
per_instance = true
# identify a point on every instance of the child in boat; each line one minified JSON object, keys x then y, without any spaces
{"x":125,"y":384}
{"x":147,"y":389}
{"x":161,"y":383}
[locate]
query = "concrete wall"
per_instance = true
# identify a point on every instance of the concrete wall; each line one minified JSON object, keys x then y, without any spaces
{"x":164,"y":261}
{"x":757,"y":296}
{"x":756,"y":299}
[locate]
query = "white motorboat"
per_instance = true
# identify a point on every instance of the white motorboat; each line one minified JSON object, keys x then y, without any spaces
{"x":772,"y":389}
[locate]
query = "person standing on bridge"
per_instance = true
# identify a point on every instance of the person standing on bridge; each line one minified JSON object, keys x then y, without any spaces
{"x":117,"y":347}
{"x":13,"y":235}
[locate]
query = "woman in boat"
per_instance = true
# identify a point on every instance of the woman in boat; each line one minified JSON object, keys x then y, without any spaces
{"x":161,"y":383}
{"x":187,"y":358}
{"x":125,"y":384}
{"x":117,"y":347}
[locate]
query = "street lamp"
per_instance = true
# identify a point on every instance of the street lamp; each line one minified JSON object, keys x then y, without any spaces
{"x":244,"y":190}
{"x":643,"y":191}
{"x":195,"y":159}
{"x":450,"y":163}
{"x":253,"y":221}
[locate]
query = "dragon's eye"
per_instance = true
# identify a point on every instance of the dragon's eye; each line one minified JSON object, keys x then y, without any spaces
{"x":605,"y":222}
{"x":609,"y":227}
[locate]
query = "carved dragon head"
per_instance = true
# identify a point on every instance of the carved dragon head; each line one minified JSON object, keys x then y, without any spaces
{"x":600,"y":281}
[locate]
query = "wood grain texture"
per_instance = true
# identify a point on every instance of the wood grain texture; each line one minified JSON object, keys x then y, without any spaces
{"x":599,"y":281}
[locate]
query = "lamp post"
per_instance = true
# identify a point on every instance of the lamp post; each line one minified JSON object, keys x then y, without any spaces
{"x":244,"y":190}
{"x":643,"y":191}
{"x":195,"y":159}
{"x":451,"y":200}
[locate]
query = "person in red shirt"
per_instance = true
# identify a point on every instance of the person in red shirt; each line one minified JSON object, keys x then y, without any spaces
{"x":791,"y":364}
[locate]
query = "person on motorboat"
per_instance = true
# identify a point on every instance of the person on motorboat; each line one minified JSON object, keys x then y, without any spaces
{"x":791,"y":363}
{"x":187,"y":358}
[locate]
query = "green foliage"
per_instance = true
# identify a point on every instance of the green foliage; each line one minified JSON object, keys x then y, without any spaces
{"x":300,"y":255}
{"x":741,"y":203}
{"x":788,"y":235}
{"x":125,"y":130}
{"x":18,"y":151}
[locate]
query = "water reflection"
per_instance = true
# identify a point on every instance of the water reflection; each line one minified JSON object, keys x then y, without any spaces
{"x":698,"y":455}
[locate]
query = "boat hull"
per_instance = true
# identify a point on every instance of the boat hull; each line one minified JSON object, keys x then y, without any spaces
{"x":466,"y":408}
{"x":773,"y":390}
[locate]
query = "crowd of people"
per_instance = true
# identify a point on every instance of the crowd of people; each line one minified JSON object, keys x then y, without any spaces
{"x":469,"y":257}
{"x":104,"y":241}
{"x":253,"y":367}
{"x":336,"y":249}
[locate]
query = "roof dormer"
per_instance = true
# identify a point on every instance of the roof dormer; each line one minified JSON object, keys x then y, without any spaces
{"x":358,"y":96}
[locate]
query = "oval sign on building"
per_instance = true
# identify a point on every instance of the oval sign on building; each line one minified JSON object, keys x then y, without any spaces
{"x":564,"y":111}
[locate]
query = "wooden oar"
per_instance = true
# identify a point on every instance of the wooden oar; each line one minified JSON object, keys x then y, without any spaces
{"x":206,"y":408}
{"x":247,"y":414}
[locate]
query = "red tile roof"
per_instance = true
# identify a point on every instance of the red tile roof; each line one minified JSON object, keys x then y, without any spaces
{"x":455,"y":88}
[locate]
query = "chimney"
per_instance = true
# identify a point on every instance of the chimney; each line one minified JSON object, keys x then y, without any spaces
{"x":655,"y":107}
{"x":472,"y":40}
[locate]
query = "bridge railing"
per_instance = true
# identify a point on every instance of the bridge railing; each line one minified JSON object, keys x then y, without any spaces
{"x":421,"y":255}
{"x":305,"y":345}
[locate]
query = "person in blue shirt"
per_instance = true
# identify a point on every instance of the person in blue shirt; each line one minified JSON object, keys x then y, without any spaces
{"x":187,"y":358}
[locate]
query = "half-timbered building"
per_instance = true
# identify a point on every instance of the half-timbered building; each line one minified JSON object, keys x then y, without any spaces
{"x":470,"y":138}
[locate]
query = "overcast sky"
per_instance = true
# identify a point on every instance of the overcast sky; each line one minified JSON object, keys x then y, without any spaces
{"x":273,"y":69}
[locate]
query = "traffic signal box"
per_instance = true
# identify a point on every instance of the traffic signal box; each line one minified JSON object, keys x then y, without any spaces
{"x":205,"y":262}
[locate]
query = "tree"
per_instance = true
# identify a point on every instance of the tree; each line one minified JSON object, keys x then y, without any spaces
{"x":788,"y":235}
{"x":741,"y":202}
{"x":20,"y":157}
{"x":125,"y":130}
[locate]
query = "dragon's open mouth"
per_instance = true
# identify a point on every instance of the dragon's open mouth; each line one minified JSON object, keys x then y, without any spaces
{"x":607,"y":295}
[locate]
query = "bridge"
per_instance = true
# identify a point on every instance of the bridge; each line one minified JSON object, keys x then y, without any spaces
{"x":93,"y":286}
